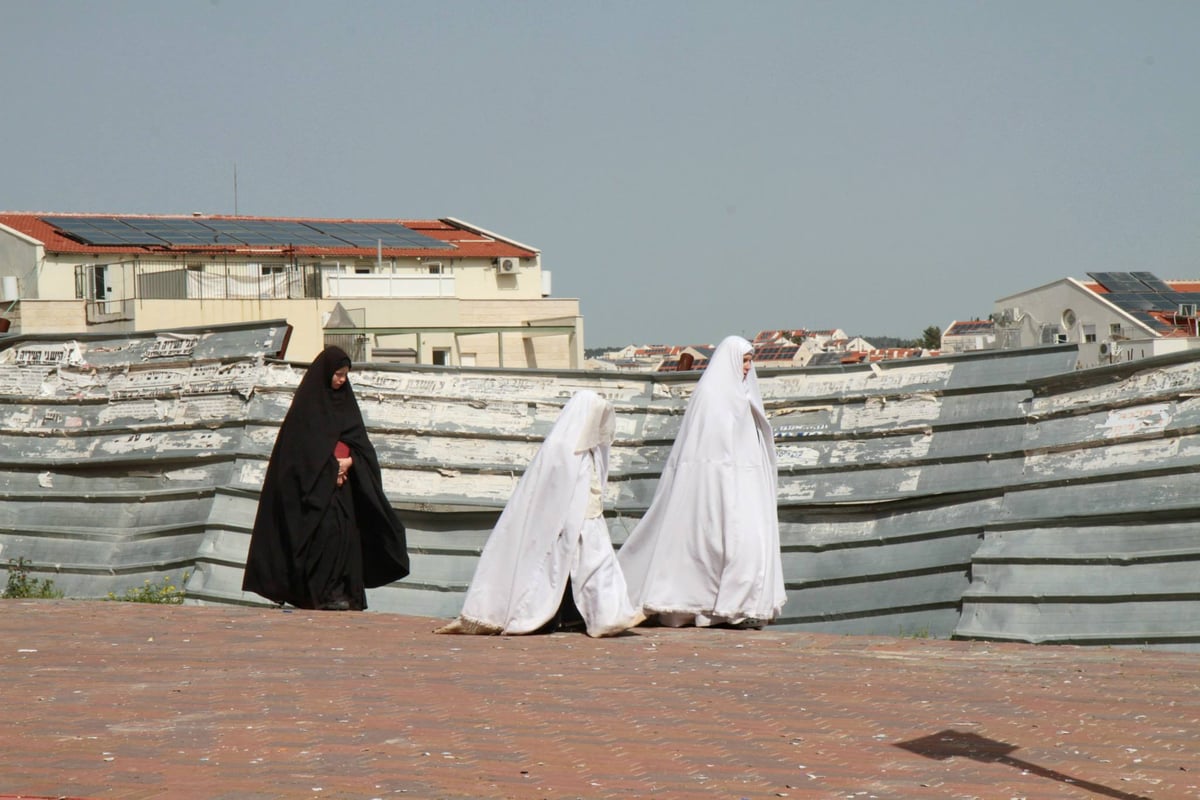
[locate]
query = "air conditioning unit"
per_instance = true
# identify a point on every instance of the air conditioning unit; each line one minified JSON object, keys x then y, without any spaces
{"x":1106,"y":349}
{"x":506,"y":266}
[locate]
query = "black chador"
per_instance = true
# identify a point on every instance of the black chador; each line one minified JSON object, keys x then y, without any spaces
{"x":324,"y":532}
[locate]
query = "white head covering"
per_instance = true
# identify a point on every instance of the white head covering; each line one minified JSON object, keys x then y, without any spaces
{"x":523,"y":570}
{"x":709,"y":543}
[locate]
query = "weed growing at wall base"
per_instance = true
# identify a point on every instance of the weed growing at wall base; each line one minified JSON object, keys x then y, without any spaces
{"x":21,"y":585}
{"x":150,"y":592}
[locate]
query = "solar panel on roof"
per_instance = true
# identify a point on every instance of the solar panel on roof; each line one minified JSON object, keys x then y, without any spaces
{"x":268,"y":233}
{"x":1129,"y":301}
{"x":1152,"y":281}
{"x":1149,"y":319}
{"x":1118,"y":281}
{"x":371,"y":234}
{"x":177,"y":231}
{"x":1160,"y":301}
{"x":250,"y":232}
{"x":100,"y":231}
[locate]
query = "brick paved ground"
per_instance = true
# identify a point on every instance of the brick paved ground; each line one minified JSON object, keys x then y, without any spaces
{"x":125,"y":700}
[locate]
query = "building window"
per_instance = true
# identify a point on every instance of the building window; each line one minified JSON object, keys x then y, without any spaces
{"x":466,"y":360}
{"x":434,"y":269}
{"x":362,"y":270}
{"x":1089,"y":333}
{"x":99,"y":290}
{"x":1114,"y":329}
{"x":441,"y":356}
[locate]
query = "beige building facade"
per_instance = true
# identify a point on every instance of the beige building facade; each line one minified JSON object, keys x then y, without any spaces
{"x":439,"y":291}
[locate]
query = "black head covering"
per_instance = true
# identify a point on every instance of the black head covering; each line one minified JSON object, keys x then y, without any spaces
{"x":300,"y":485}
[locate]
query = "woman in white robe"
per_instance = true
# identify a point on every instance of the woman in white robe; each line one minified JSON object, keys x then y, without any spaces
{"x":553,"y":528}
{"x":706,"y":552}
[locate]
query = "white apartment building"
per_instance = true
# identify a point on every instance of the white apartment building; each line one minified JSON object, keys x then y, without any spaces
{"x":439,"y":291}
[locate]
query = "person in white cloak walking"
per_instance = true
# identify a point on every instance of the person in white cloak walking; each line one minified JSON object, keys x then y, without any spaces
{"x":706,"y":552}
{"x":552,"y":529}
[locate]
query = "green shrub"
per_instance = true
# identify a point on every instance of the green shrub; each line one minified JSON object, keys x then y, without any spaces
{"x":21,"y":585}
{"x":150,"y":592}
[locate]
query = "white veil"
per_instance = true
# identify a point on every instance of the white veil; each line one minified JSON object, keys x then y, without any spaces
{"x":545,"y":535}
{"x":708,"y":545}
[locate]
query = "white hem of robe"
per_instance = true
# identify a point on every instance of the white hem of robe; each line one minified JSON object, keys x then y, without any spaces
{"x":544,"y":535}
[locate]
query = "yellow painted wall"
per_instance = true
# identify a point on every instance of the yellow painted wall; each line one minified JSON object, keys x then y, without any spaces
{"x":486,"y":298}
{"x":307,"y":319}
{"x":52,"y":316}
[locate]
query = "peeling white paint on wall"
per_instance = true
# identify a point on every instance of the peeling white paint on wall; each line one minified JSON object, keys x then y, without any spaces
{"x":874,"y":451}
{"x":891,"y":380}
{"x":250,"y":474}
{"x":191,"y":475}
{"x":164,"y":442}
{"x":1137,"y":421}
{"x":797,"y":491}
{"x":487,"y":491}
{"x":1089,"y":461}
{"x":136,"y":411}
{"x":910,"y":481}
{"x":893,"y":412}
{"x":1177,"y":379}
{"x":790,"y":455}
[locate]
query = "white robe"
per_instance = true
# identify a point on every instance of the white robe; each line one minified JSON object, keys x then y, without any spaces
{"x":707,"y":549}
{"x":553,"y":527}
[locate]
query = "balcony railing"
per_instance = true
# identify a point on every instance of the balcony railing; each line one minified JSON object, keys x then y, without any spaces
{"x":336,"y":284}
{"x":111,"y":288}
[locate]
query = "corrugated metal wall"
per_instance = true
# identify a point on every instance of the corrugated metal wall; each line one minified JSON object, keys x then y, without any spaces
{"x":995,"y":495}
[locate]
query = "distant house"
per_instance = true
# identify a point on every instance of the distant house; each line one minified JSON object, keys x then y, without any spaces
{"x":691,"y":357}
{"x":963,"y":336}
{"x":797,"y":347}
{"x":638,"y":358}
{"x":779,"y":349}
{"x":450,"y":292}
{"x":795,"y":336}
{"x":1114,"y":316}
{"x":858,"y":345}
{"x":897,"y":353}
{"x":833,"y":357}
{"x":773,"y":349}
{"x":778,"y":354}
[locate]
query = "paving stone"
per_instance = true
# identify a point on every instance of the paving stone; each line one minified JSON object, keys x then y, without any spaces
{"x":128,"y":700}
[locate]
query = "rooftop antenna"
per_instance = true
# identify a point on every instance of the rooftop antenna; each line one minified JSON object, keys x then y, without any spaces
{"x":235,"y":208}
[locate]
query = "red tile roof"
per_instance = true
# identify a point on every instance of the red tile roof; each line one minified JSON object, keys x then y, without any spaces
{"x":893,"y":353}
{"x":468,"y":242}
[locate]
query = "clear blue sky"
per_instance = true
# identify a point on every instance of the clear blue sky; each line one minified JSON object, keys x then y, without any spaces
{"x":689,"y":169}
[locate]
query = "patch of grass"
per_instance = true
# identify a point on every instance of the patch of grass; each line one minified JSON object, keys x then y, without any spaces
{"x":21,"y":585}
{"x":919,"y":633}
{"x":164,"y":593}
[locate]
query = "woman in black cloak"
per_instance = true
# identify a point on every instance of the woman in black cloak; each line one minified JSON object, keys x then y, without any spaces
{"x":325,"y":531}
